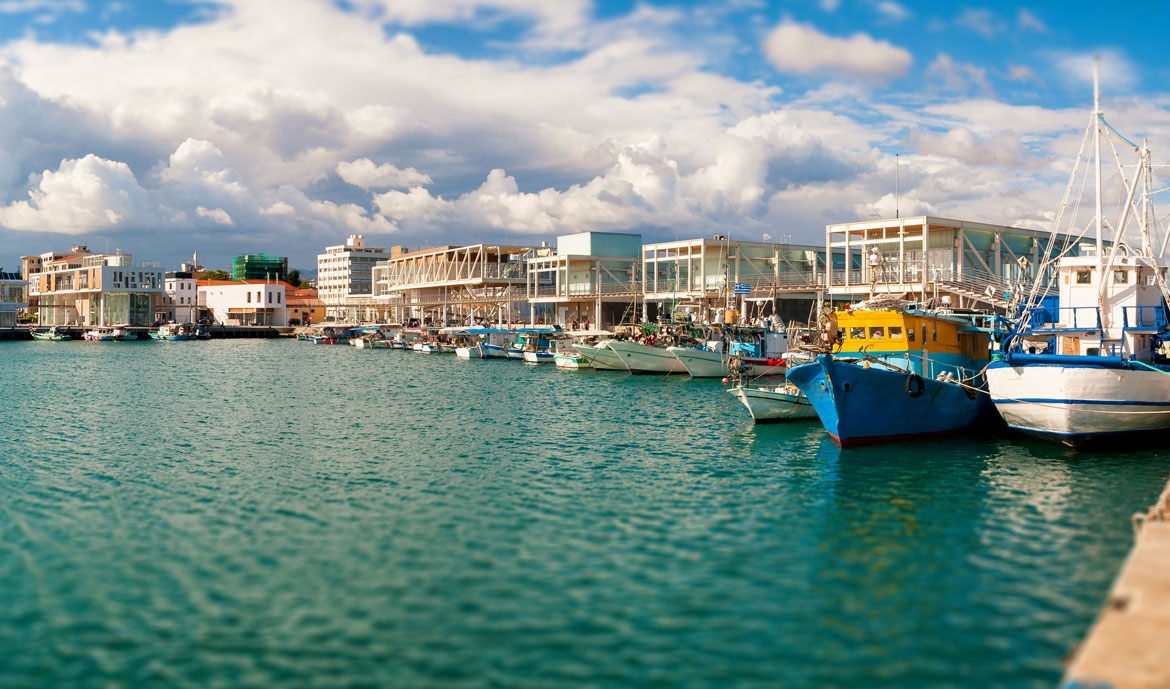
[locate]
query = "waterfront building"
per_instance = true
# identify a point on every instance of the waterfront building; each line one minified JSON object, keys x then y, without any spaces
{"x":720,"y":279}
{"x":973,"y":263}
{"x":181,"y":304}
{"x":260,"y":267}
{"x":31,"y":265}
{"x":345,"y":276}
{"x":453,"y":284}
{"x":593,"y":277}
{"x":87,"y":289}
{"x":13,"y":298}
{"x":243,"y":302}
{"x":304,"y":306}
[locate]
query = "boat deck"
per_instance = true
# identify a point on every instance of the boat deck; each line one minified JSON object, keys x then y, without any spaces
{"x":1129,"y":643}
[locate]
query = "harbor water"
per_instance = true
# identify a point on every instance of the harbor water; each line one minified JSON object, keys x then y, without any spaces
{"x":260,"y":513}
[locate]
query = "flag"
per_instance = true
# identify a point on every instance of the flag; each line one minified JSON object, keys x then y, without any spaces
{"x":742,"y":288}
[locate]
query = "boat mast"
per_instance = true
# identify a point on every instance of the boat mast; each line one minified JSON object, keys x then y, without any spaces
{"x":1097,"y":160}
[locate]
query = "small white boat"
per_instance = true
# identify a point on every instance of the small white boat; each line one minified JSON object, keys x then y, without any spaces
{"x":426,"y":347}
{"x":781,"y":403}
{"x":572,"y":360}
{"x":98,"y":335}
{"x":50,"y":335}
{"x":538,"y":356}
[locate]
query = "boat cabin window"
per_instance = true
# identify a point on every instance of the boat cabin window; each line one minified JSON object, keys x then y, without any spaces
{"x":910,"y":334}
{"x":895,"y":332}
{"x":934,"y":331}
{"x":857,"y":333}
{"x":876,"y":333}
{"x":1084,"y":277}
{"x":1120,"y":277}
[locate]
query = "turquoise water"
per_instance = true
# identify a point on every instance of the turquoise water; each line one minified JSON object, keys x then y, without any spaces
{"x":259,"y":513}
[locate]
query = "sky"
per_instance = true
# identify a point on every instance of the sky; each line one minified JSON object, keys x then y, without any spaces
{"x":229,"y":127}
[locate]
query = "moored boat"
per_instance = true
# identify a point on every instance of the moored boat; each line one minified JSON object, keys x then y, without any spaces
{"x":752,"y":352}
{"x":53,"y":334}
{"x":783,"y":402}
{"x":1100,"y":365}
{"x":897,"y":372}
{"x":98,"y":335}
{"x":644,"y":358}
{"x":601,"y":357}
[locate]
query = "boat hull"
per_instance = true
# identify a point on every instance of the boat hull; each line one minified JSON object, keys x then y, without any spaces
{"x":538,"y":357}
{"x":863,"y":406}
{"x":639,"y":358}
{"x":701,"y":363}
{"x":601,"y":357}
{"x":1078,"y":400}
{"x":769,"y":405}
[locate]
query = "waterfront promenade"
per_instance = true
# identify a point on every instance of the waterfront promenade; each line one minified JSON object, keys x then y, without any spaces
{"x":1129,"y":645}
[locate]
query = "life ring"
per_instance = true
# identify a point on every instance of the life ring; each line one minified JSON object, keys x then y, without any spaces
{"x":914,"y":385}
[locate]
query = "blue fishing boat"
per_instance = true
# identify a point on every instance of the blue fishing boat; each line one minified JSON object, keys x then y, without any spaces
{"x":893,"y":371}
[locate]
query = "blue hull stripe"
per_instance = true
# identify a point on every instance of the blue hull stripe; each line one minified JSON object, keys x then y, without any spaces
{"x":1113,"y":403}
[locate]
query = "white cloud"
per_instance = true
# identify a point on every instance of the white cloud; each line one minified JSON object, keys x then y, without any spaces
{"x":1117,"y":72}
{"x":363,"y":173}
{"x":52,"y":7}
{"x":217,"y":215}
{"x":1031,"y":22}
{"x":829,"y":6}
{"x":957,"y":76}
{"x":960,"y":143}
{"x":80,"y":196}
{"x":803,"y":49}
{"x":893,"y":11}
{"x":982,"y":22}
{"x":1021,"y":73}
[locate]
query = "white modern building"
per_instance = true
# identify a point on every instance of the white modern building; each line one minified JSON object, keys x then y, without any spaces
{"x":345,"y":274}
{"x":243,"y":302}
{"x":182,"y":300}
{"x":97,"y":289}
{"x":13,"y":298}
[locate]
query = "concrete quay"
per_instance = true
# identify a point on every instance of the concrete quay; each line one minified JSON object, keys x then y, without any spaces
{"x":1128,"y":646}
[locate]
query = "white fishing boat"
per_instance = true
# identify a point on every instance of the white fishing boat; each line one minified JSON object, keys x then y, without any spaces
{"x":538,"y":357}
{"x":601,"y":357}
{"x":98,"y":335}
{"x":570,"y":359}
{"x":53,"y":334}
{"x":643,"y":358}
{"x":173,"y":331}
{"x":769,"y":404}
{"x":1100,"y":365}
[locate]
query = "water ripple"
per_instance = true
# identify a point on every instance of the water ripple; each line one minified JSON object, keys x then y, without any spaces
{"x":252,"y":513}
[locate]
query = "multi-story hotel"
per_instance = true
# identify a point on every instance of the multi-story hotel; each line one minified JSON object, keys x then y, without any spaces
{"x":344,"y":275}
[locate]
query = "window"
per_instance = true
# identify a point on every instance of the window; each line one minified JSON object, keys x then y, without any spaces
{"x":934,"y":331}
{"x":857,"y":333}
{"x":249,"y":297}
{"x":910,"y":334}
{"x":1120,"y":277}
{"x":895,"y":332}
{"x":876,"y":333}
{"x":278,"y":297}
{"x":270,"y":297}
{"x":1084,"y":277}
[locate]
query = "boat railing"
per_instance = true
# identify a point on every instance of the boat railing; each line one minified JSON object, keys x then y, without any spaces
{"x":1143,"y":317}
{"x":1066,"y":318}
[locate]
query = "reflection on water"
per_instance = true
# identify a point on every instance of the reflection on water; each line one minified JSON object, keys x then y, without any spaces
{"x":258,"y":513}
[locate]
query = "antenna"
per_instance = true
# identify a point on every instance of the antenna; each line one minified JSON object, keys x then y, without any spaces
{"x":897,"y":196}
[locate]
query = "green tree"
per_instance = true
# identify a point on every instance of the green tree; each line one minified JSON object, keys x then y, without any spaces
{"x":216,"y":275}
{"x":293,"y":278}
